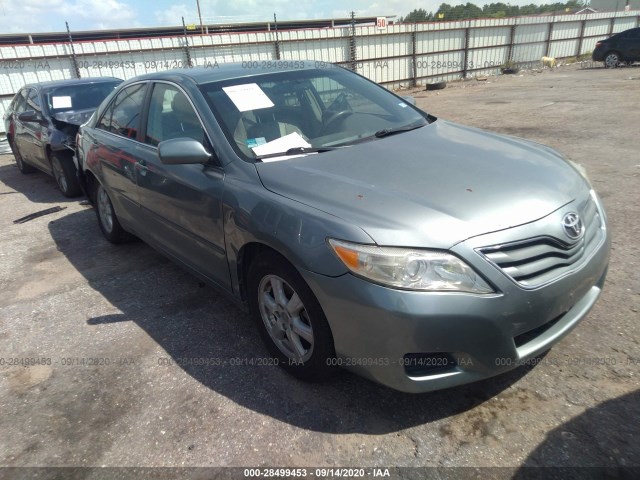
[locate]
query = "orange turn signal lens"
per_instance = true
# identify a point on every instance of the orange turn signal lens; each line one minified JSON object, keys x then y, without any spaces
{"x":349,"y":257}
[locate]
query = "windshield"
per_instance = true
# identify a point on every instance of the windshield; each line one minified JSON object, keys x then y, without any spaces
{"x":298,"y":110}
{"x":78,"y":97}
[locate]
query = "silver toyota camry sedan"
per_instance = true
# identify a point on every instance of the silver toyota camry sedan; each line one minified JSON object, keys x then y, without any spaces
{"x":360,"y":231}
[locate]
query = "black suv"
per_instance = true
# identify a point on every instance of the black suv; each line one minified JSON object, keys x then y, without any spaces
{"x":42,"y":122}
{"x":623,"y":47}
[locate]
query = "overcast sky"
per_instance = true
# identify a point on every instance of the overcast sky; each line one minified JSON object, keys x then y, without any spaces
{"x":26,"y":16}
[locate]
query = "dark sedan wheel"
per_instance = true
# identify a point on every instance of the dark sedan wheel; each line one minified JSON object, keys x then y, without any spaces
{"x":611,"y":60}
{"x":64,"y":171}
{"x":290,"y":319}
{"x":107,"y":218}
{"x":23,"y":167}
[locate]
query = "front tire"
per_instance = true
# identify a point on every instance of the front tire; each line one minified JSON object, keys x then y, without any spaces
{"x":64,"y":171}
{"x":612,"y":60}
{"x":107,"y":219}
{"x":24,"y":168}
{"x":290,"y":319}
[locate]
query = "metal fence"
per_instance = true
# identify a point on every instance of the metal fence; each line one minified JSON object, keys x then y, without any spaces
{"x":400,"y":55}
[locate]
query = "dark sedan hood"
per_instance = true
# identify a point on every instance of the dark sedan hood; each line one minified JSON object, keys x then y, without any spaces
{"x":75,"y":117}
{"x":434,"y":186}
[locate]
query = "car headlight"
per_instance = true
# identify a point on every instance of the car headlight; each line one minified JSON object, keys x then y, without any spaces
{"x":410,"y":269}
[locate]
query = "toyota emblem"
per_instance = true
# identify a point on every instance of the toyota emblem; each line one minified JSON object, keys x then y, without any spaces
{"x":572,"y":225}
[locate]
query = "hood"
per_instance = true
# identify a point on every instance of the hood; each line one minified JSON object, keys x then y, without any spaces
{"x":431,"y":187}
{"x":75,"y":117}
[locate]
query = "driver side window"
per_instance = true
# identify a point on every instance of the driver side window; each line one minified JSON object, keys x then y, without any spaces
{"x":171,"y":115}
{"x":20,"y":102}
{"x":33,"y":101}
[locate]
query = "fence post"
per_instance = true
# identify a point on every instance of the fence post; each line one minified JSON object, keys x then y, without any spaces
{"x":612,"y":24}
{"x":352,"y":42}
{"x":580,"y":39}
{"x":414,"y":63}
{"x":547,"y":49}
{"x":74,"y":62}
{"x":465,"y":55}
{"x":512,"y":37}
{"x":277,"y":42}
{"x":186,"y":44}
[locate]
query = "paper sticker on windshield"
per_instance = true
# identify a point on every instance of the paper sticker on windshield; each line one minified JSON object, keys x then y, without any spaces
{"x":248,"y":97}
{"x":402,"y":104}
{"x":281,"y":145}
{"x":61,"y":102}
{"x":254,"y":142}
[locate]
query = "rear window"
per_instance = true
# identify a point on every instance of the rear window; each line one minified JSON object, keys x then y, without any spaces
{"x":78,"y":97}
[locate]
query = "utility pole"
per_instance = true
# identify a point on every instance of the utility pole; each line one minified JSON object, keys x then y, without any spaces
{"x":186,"y":44}
{"x":352,"y":42}
{"x":277,"y":45}
{"x":73,"y":52}
{"x":200,"y":17}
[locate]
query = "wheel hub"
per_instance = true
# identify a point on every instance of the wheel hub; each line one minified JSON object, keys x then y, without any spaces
{"x":284,"y":316}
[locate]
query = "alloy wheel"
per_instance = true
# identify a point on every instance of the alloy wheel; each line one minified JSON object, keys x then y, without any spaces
{"x":285,"y":318}
{"x":612,"y":60}
{"x":105,"y":210}
{"x":58,"y":173}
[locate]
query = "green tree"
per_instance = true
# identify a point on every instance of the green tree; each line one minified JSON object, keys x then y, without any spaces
{"x":418,"y":15}
{"x":492,"y":10}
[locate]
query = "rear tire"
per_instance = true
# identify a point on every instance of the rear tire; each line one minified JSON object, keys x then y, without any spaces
{"x":612,"y":60}
{"x":64,"y":171}
{"x":107,"y":219}
{"x":24,"y":168}
{"x":290,"y":319}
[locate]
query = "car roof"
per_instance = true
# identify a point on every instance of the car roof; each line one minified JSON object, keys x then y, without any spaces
{"x":626,"y":31}
{"x":73,"y":81}
{"x":229,"y":71}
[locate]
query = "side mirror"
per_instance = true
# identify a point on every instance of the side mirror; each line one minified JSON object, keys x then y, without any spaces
{"x":410,"y":100}
{"x":30,"y":116}
{"x":182,"y":151}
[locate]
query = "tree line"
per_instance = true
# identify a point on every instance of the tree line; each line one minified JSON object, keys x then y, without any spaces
{"x":448,"y":12}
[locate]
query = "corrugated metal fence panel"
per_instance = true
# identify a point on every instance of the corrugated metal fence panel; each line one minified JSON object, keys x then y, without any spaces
{"x":383,"y":46}
{"x":439,"y":41}
{"x":531,"y":33}
{"x":624,"y":23}
{"x":488,"y":59}
{"x":329,"y":50}
{"x":489,"y":37}
{"x":21,"y":72}
{"x":597,"y":27}
{"x":565,"y":30}
{"x":528,"y":52}
{"x":563,"y":48}
{"x":383,"y":55}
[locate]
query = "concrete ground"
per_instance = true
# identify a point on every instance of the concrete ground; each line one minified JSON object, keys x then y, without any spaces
{"x":128,"y":344}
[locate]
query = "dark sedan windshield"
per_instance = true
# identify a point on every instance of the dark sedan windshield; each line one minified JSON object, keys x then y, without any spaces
{"x":305,"y":109}
{"x":75,"y":97}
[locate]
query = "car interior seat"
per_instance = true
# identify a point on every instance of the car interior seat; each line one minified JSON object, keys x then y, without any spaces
{"x":182,"y":120}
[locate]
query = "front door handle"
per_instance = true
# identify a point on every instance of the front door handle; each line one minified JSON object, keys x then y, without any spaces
{"x":142,"y":167}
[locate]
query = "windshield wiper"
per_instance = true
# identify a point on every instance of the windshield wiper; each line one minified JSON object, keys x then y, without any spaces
{"x":298,"y":151}
{"x":385,"y":132}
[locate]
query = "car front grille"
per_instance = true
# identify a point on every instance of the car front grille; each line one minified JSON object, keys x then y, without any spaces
{"x":540,"y":260}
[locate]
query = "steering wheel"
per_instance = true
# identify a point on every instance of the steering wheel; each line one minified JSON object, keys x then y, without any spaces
{"x":334,"y":117}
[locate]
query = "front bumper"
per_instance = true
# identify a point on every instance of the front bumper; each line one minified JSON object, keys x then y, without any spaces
{"x":375,"y":327}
